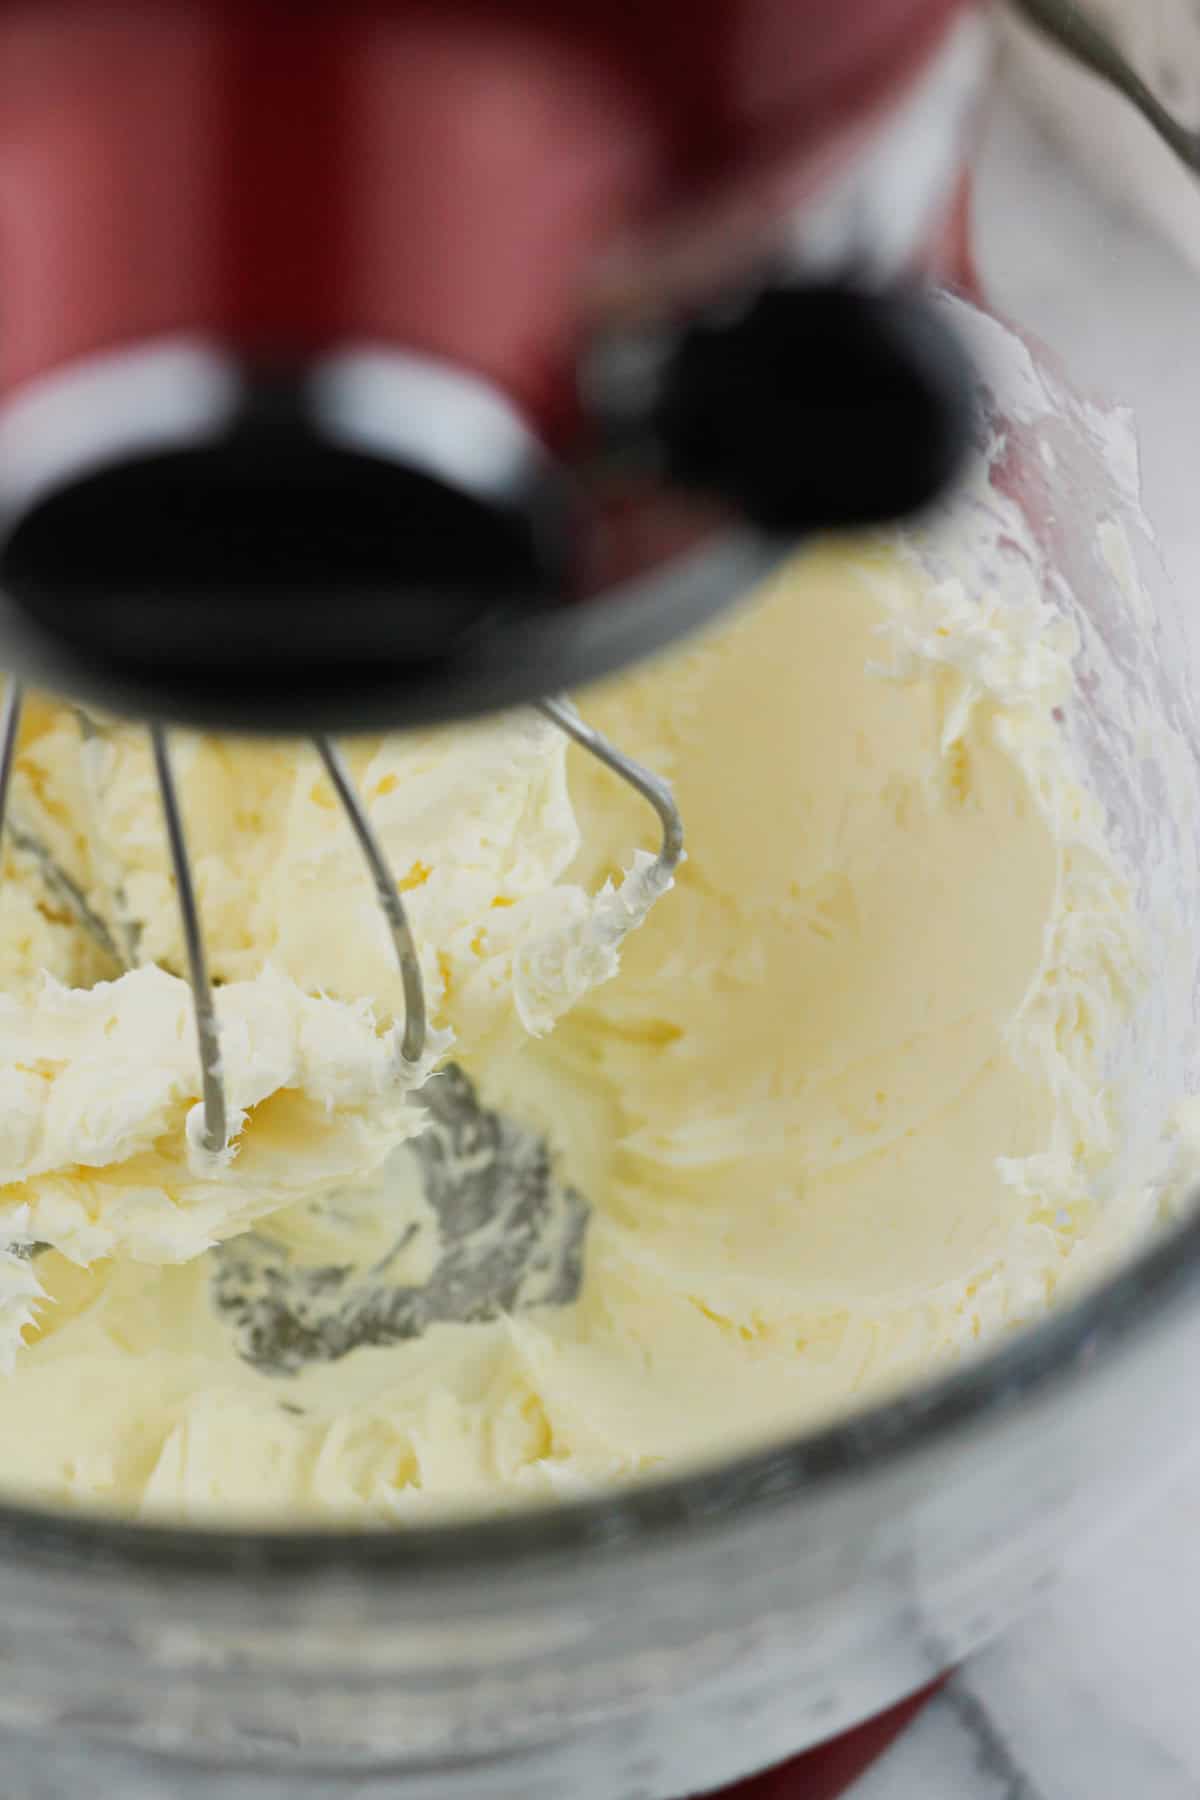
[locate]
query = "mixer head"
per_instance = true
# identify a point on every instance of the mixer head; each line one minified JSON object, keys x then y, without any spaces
{"x":372,"y":364}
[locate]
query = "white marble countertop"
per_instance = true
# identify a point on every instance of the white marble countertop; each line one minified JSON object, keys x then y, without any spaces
{"x":1093,"y":1697}
{"x":1096,"y":1696}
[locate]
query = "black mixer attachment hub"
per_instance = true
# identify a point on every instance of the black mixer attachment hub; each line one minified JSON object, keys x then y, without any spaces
{"x":378,"y":540}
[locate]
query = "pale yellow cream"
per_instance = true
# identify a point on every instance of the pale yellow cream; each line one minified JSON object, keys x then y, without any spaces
{"x":837,"y":1117}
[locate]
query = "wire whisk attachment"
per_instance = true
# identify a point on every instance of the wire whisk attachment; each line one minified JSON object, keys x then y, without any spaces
{"x":414,"y":1030}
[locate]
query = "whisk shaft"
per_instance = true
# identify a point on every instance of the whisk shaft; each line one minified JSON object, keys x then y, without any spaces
{"x":208,"y":1035}
{"x":10,"y":725}
{"x":412,"y":1044}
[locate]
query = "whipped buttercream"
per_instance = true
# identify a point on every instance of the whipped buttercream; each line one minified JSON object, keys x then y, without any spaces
{"x":839,"y":1105}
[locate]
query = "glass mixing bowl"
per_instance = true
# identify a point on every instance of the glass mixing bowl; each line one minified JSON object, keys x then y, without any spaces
{"x":669,"y":1638}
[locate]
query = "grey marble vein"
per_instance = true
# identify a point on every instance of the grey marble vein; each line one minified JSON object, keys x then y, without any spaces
{"x":995,"y":1757}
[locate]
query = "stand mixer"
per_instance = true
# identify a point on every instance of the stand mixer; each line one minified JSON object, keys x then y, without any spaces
{"x":378,"y":365}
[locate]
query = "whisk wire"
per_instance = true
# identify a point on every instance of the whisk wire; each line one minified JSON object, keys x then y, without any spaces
{"x":208,"y":1034}
{"x":10,"y":725}
{"x":653,"y":789}
{"x":412,"y":1044}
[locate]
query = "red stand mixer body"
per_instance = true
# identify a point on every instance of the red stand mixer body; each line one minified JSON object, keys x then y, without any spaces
{"x":480,"y":182}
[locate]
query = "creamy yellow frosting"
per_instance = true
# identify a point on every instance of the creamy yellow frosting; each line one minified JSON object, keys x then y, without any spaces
{"x":838,"y":1116}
